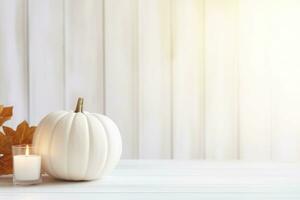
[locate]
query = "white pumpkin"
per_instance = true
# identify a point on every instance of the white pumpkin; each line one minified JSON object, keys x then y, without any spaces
{"x":78,"y":145}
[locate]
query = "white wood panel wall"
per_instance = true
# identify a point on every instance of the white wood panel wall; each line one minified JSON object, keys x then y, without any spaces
{"x":155,"y":139}
{"x":283,"y":59}
{"x":121,"y":70}
{"x":255,"y":81}
{"x":221,"y":79}
{"x":14,"y":87}
{"x":84,"y":64}
{"x":187,"y":79}
{"x":183,"y":79}
{"x":46,"y":57}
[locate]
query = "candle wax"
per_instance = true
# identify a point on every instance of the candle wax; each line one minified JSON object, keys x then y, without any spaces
{"x":27,"y":167}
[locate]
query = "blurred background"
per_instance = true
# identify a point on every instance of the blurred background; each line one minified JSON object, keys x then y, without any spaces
{"x":183,"y":79}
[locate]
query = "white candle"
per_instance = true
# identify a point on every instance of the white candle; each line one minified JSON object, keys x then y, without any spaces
{"x":27,"y":167}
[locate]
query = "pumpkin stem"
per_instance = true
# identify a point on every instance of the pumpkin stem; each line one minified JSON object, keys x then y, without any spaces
{"x":79,"y":106}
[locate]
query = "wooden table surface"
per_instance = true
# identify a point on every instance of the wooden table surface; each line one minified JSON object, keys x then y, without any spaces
{"x":166,"y":179}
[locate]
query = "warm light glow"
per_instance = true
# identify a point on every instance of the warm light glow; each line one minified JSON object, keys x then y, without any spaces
{"x":27,"y":150}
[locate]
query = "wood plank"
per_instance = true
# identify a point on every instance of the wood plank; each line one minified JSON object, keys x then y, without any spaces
{"x":84,"y":54}
{"x":121,"y":71}
{"x":255,"y":96}
{"x":46,"y":57}
{"x":154,"y":79}
{"x":13,"y":58}
{"x":187,"y":75}
{"x":221,"y":79}
{"x":217,"y":179}
{"x":283,"y":59}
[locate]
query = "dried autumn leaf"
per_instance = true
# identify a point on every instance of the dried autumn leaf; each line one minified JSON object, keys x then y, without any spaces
{"x":6,"y":165}
{"x":5,"y":114}
{"x":22,"y":135}
{"x":6,"y":141}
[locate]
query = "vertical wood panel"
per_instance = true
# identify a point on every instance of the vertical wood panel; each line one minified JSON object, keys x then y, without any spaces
{"x":84,"y":71}
{"x":46,"y":51}
{"x":154,"y":76}
{"x":255,"y":110}
{"x":283,"y":54}
{"x":187,"y":27}
{"x":13,"y":58}
{"x":221,"y":79}
{"x":121,"y":83}
{"x":165,"y":71}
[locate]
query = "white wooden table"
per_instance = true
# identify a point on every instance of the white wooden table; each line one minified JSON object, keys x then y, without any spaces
{"x":172,"y":180}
